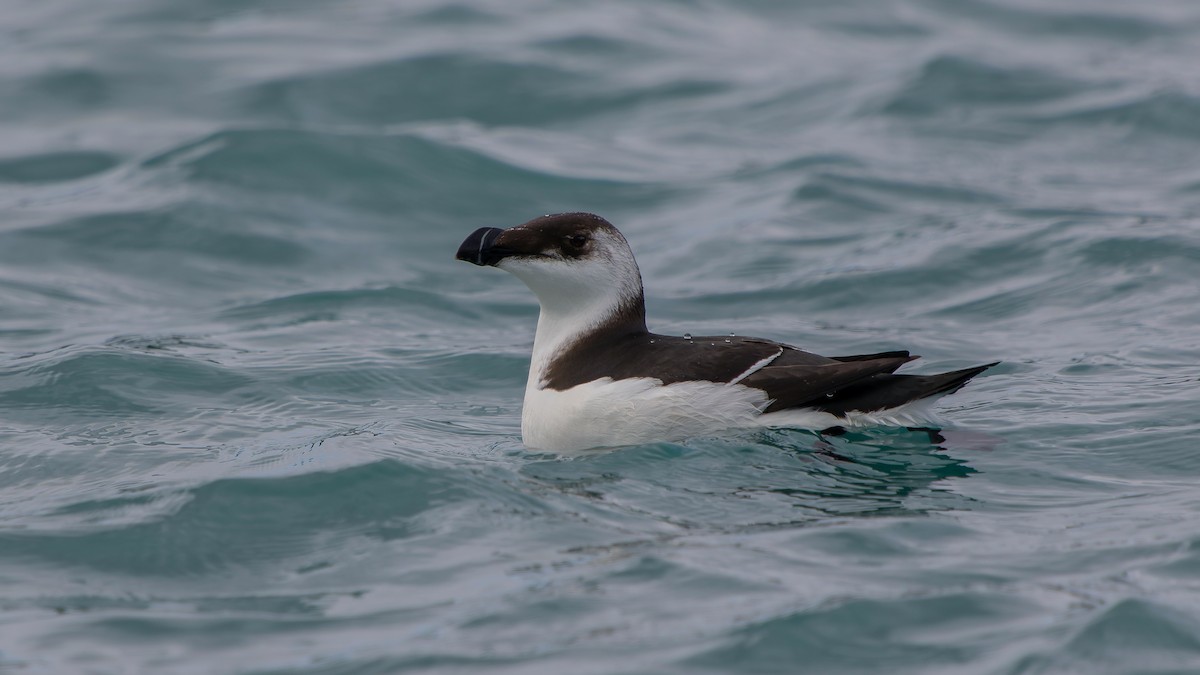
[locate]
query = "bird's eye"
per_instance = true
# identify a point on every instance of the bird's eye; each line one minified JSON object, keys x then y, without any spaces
{"x":577,"y":240}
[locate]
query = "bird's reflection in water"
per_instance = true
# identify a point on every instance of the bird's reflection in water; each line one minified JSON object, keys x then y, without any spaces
{"x":878,"y":471}
{"x":767,"y":478}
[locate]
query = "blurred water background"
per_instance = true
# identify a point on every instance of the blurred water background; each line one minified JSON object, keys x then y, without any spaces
{"x":255,"y":419}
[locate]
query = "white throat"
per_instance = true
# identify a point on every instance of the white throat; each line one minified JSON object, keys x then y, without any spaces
{"x":558,"y":329}
{"x":575,"y":300}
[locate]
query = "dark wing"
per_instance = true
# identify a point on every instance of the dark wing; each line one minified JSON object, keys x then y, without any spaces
{"x":872,"y":357}
{"x":791,"y":377}
{"x":810,"y":385}
{"x":888,"y":391}
{"x":665,"y":357}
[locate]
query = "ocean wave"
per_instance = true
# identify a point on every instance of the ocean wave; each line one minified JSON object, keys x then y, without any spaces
{"x":204,"y":534}
{"x":384,"y":173}
{"x":486,"y":90}
{"x":181,"y":231}
{"x":99,"y":381}
{"x":1098,"y":24}
{"x":55,"y":166}
{"x":948,"y":84}
{"x":1155,"y":114}
{"x":866,"y":634}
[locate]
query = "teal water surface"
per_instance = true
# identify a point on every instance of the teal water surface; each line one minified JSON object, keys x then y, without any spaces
{"x":254,"y":418}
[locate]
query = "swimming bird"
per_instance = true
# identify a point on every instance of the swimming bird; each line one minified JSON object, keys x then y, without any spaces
{"x":598,"y":377}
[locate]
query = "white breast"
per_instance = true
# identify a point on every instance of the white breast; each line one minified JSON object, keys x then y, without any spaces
{"x":605,"y":413}
{"x":609,"y":412}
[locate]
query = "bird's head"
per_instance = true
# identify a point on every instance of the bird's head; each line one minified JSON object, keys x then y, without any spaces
{"x":573,"y":262}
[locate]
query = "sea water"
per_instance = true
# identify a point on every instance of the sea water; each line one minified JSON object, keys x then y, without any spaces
{"x":254,"y":418}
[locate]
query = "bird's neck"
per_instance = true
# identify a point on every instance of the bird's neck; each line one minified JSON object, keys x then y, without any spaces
{"x":562,"y":326}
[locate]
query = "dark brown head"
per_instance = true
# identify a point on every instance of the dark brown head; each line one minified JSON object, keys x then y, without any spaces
{"x":573,"y":262}
{"x":563,"y":236}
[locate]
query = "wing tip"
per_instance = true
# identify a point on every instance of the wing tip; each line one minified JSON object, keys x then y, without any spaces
{"x":955,"y":379}
{"x":897,"y":354}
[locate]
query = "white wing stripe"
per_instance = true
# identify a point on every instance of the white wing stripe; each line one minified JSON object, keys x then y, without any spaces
{"x":757,"y":366}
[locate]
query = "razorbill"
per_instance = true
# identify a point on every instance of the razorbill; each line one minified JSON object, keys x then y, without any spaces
{"x":599,"y":378}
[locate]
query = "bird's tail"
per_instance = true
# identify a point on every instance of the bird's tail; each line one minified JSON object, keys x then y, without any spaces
{"x":885,"y":391}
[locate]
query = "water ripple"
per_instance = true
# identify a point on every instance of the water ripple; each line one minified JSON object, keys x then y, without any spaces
{"x":255,"y":418}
